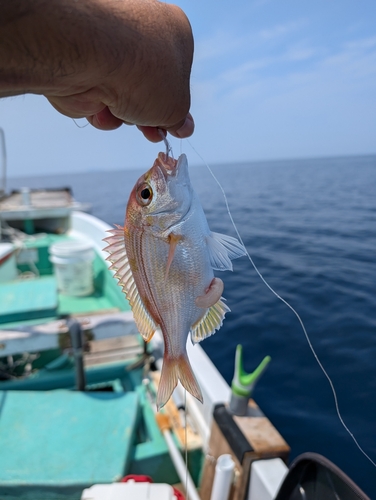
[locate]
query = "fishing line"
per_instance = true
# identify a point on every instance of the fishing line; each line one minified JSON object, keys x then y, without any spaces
{"x":290,"y":307}
{"x":169,"y":151}
{"x":186,"y":443}
{"x":80,"y":126}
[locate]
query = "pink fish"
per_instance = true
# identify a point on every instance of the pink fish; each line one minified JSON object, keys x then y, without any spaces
{"x":164,"y":259}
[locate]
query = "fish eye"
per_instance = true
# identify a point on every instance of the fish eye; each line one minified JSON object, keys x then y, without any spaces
{"x":144,"y":194}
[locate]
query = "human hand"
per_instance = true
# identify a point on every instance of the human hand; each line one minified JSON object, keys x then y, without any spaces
{"x":109,"y":61}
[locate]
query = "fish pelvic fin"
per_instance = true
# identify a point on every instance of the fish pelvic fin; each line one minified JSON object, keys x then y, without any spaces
{"x":212,"y":294}
{"x":222,"y":249}
{"x":210,"y":322}
{"x":120,"y":264}
{"x":172,"y":371}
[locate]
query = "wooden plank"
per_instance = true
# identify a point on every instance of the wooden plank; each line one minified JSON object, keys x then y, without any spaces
{"x":112,"y":349}
{"x":264,"y":442}
{"x":260,"y":432}
{"x":113,"y":344}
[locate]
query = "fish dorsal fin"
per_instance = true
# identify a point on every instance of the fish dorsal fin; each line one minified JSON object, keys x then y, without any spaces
{"x":120,"y":264}
{"x":211,"y":322}
{"x":222,"y":249}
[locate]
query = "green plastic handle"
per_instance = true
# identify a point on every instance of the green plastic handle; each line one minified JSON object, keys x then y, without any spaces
{"x":243,"y":383}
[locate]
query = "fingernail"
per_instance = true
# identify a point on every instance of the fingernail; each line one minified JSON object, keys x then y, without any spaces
{"x":186,"y":130}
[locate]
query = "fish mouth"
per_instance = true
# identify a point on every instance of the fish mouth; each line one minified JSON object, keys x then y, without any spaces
{"x":173,"y":168}
{"x":167,"y":164}
{"x":174,"y":175}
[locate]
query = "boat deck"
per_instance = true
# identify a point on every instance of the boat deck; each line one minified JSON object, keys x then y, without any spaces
{"x":28,"y":299}
{"x":86,"y":436}
{"x":33,"y":296}
{"x":38,"y":203}
{"x":71,"y":439}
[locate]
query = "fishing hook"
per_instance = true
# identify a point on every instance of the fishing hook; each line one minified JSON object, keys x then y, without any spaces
{"x":167,"y":144}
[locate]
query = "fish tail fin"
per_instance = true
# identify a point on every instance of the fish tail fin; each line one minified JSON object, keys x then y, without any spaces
{"x":188,"y":379}
{"x":172,"y":371}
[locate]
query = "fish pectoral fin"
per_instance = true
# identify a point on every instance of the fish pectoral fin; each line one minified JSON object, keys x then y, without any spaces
{"x":173,"y":240}
{"x":172,"y":371}
{"x":210,"y":322}
{"x":222,"y":249}
{"x":120,"y":264}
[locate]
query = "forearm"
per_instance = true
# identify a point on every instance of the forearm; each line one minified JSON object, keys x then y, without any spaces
{"x":49,"y":45}
{"x":37,"y":48}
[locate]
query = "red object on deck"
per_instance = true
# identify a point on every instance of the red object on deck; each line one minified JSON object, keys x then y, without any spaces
{"x":138,"y":478}
{"x":178,"y":494}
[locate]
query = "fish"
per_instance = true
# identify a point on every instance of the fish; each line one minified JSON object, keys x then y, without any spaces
{"x":164,"y":259}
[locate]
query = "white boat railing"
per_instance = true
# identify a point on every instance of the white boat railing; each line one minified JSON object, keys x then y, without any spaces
{"x":266,"y":478}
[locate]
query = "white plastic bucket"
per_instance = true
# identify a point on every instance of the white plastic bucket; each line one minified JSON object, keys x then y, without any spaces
{"x":73,"y":264}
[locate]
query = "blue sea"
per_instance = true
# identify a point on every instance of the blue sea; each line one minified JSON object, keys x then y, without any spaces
{"x":310,"y":227}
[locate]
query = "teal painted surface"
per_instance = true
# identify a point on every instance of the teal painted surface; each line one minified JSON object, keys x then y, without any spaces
{"x":41,"y":492}
{"x":66,"y":437}
{"x":148,"y":455}
{"x":42,"y":244}
{"x":64,"y":377}
{"x":104,"y":280}
{"x":33,"y":301}
{"x":26,"y":299}
{"x":107,"y":294}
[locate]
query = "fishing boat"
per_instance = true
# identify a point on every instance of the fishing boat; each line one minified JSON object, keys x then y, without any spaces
{"x":78,"y":385}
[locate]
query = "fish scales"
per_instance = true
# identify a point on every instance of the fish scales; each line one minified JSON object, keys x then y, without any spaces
{"x":170,"y":299}
{"x":167,"y":246}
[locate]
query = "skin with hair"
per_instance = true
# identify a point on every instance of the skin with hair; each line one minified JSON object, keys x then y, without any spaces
{"x":110,"y":61}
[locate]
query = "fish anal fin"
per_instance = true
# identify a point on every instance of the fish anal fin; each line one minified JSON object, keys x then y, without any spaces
{"x":119,"y":259}
{"x":172,"y":371}
{"x":173,"y":240}
{"x":210,"y":322}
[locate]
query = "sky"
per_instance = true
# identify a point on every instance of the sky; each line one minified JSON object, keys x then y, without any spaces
{"x":271,"y":79}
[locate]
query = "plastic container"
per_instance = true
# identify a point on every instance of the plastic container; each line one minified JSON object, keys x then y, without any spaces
{"x":223,"y":478}
{"x":129,"y":491}
{"x":73,"y":264}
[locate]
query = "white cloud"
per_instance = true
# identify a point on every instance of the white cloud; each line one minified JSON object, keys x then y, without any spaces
{"x":224,"y":43}
{"x":320,"y":103}
{"x":299,"y":53}
{"x":354,"y":63}
{"x":242,"y":72}
{"x":217,"y":45}
{"x":361,"y":44}
{"x":281,"y":30}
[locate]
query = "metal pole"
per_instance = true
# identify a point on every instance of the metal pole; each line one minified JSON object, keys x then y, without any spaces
{"x":75,"y":332}
{"x":3,"y":162}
